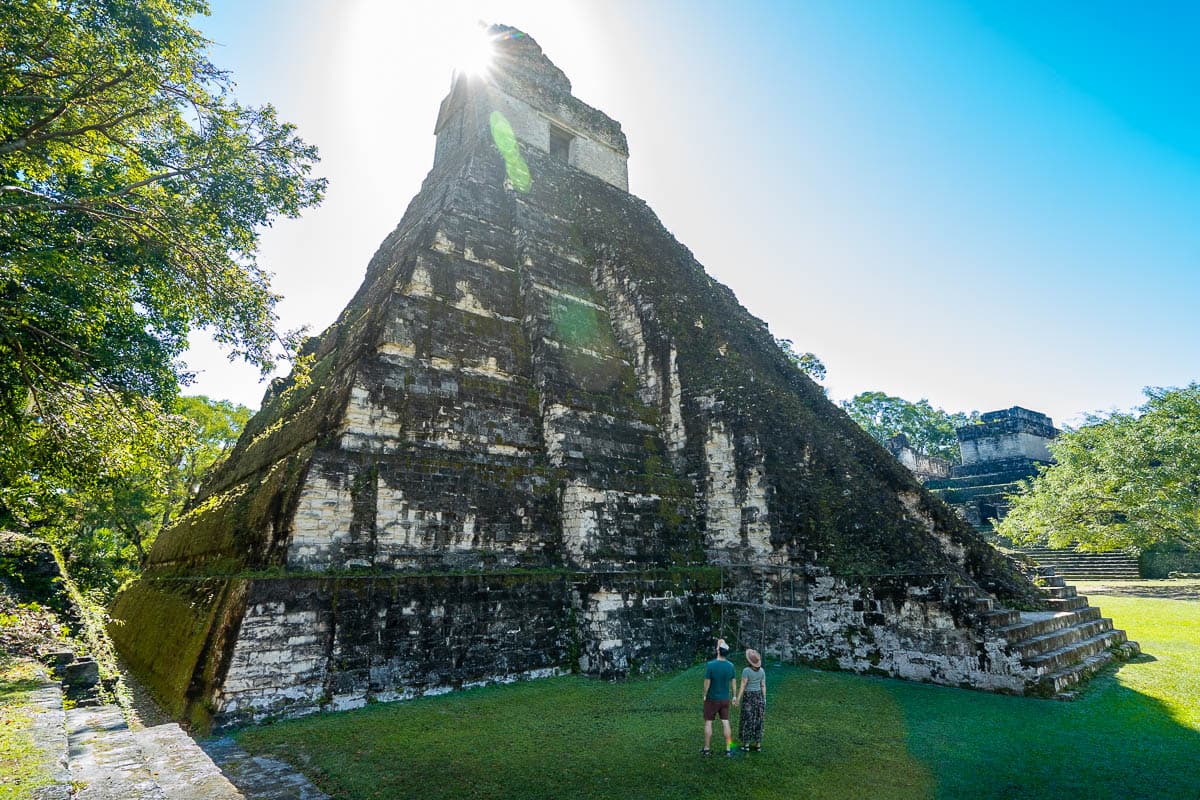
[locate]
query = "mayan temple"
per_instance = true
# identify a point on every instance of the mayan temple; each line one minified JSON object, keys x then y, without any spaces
{"x":541,"y":439}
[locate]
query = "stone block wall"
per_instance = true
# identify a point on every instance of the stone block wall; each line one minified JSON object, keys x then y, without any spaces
{"x":249,"y":649}
{"x":1012,"y":433}
{"x":917,"y":627}
{"x":630,"y":625}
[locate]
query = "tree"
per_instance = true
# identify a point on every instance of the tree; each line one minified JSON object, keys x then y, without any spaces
{"x":132,"y":190}
{"x":1128,"y":480}
{"x":930,"y":431}
{"x":807,"y":363}
{"x":103,"y":501}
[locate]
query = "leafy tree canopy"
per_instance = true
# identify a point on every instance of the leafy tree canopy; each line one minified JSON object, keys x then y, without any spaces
{"x":132,"y":189}
{"x":1128,"y":480}
{"x":930,"y":431}
{"x":125,"y":474}
{"x":807,"y":363}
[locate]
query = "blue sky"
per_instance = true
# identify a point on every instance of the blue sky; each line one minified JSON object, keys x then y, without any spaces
{"x":982,"y":204}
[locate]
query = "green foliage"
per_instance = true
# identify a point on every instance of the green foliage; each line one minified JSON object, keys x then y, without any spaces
{"x":808,"y":363}
{"x":929,"y":430}
{"x":1128,"y":480}
{"x":132,"y":189}
{"x":106,"y":480}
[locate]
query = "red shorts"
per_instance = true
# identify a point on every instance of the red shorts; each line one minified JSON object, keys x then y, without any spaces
{"x":713,"y":708}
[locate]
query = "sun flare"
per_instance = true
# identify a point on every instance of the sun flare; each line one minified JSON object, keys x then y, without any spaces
{"x":472,"y":50}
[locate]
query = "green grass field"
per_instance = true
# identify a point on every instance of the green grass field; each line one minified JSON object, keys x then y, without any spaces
{"x":1135,"y":733}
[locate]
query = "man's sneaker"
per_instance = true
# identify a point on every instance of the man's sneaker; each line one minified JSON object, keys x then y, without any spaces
{"x":704,"y":751}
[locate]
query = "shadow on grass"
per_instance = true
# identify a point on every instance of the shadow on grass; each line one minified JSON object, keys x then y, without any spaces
{"x":18,"y":676}
{"x":1112,"y":742}
{"x":1164,"y":592}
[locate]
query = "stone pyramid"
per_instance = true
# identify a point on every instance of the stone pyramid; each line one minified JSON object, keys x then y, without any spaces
{"x":540,"y":438}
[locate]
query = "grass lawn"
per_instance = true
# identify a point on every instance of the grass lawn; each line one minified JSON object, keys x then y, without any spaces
{"x":829,"y":735}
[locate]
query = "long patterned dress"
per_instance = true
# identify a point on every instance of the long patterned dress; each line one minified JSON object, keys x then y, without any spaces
{"x":750,"y":722}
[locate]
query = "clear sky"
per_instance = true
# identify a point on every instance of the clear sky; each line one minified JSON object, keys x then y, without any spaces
{"x":982,"y":204}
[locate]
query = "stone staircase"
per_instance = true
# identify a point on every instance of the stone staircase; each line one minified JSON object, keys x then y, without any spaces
{"x":93,"y":754}
{"x":110,"y":761}
{"x":1061,"y":647}
{"x":1075,"y":565}
{"x":97,"y":756}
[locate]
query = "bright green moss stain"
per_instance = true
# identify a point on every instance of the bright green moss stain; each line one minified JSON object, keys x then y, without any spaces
{"x":506,"y":142}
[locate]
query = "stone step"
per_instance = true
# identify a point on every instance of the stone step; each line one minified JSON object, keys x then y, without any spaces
{"x":1063,"y":679}
{"x":180,"y":767}
{"x":1091,"y":576}
{"x":1114,"y":567}
{"x":1066,"y":603}
{"x":1051,"y":581}
{"x":1001,"y":618}
{"x":1063,"y":637}
{"x":983,"y":604}
{"x":1055,"y":660}
{"x":1037,"y":623}
{"x":1104,"y":567}
{"x":106,"y":762}
{"x":1059,"y":591}
{"x":49,"y":733}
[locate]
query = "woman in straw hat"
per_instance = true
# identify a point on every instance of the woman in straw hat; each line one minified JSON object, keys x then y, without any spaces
{"x":752,"y":697}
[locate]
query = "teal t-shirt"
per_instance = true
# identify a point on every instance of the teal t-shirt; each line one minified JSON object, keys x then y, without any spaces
{"x":719,"y":673}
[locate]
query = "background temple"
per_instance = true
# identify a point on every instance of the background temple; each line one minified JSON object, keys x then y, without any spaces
{"x":1007,"y":447}
{"x":541,"y":438}
{"x":1004,"y":449}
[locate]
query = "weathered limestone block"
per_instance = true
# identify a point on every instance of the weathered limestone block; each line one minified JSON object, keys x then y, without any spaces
{"x":630,"y":624}
{"x":736,"y":522}
{"x":913,"y":627}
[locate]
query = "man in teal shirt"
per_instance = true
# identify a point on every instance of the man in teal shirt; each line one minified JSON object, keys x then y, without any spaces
{"x":719,"y":681}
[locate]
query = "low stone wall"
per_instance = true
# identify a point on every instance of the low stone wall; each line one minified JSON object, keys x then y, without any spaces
{"x":918,"y":627}
{"x":248,"y":649}
{"x":638,"y":624}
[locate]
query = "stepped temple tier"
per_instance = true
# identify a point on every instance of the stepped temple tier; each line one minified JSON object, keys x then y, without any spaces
{"x":539,"y":439}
